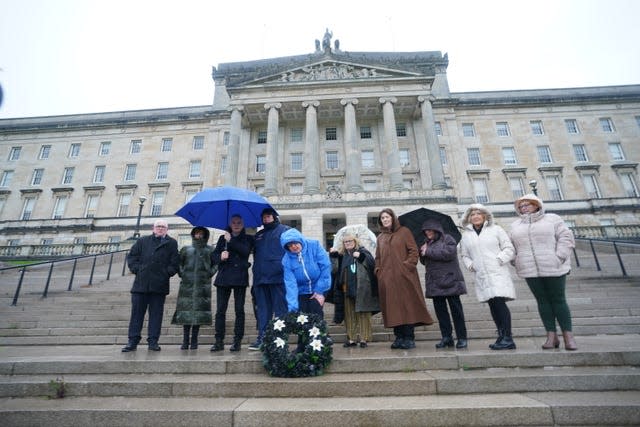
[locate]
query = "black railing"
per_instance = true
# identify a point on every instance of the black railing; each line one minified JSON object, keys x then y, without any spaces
{"x":92,"y":271}
{"x":609,"y":251}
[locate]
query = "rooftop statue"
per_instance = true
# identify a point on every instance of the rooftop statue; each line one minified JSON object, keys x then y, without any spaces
{"x":326,"y":39}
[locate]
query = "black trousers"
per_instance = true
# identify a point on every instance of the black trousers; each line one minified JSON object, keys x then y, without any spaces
{"x":501,"y":315}
{"x":223,"y":293}
{"x":406,"y":332}
{"x":139,"y":305}
{"x":444,"y":321}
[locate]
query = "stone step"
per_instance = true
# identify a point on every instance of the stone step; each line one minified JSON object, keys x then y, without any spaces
{"x":498,"y":409}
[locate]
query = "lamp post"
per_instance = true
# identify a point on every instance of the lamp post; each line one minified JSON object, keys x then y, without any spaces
{"x":534,"y":186}
{"x":136,"y":234}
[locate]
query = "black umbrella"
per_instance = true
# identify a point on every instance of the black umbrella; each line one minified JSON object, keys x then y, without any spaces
{"x":413,"y":221}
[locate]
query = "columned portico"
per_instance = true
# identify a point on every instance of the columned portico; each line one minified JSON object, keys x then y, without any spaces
{"x":433,"y":151}
{"x":271,"y":171}
{"x":351,"y":149}
{"x":312,"y":176}
{"x":391,"y":144}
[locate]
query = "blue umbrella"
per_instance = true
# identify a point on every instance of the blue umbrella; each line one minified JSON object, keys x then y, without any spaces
{"x":213,"y":207}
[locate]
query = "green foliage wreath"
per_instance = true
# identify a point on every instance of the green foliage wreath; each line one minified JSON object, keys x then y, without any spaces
{"x":314,"y":351}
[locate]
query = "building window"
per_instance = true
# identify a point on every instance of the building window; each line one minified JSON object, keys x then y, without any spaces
{"x":480,"y":190}
{"x":296,"y":162}
{"x":468,"y":130}
{"x":296,"y":135}
{"x":27,"y":208}
{"x":59,"y":207}
{"x":369,"y":185}
{"x":45,"y":151}
{"x":198,"y":142}
{"x":615,"y":150}
{"x":123,"y":204}
{"x":438,"y":128}
{"x":638,"y":121}
{"x":226,"y":139}
{"x":401,"y":129}
{"x":36,"y":177}
{"x":502,"y":129}
{"x":262,"y":137}
{"x":553,"y":186}
{"x":629,"y":184}
{"x":331,"y":134}
{"x":509,"y":156}
{"x":79,"y":240}
{"x":195,"y":167}
{"x":572,"y":126}
{"x":67,"y":175}
{"x":261,"y":163}
{"x":189,"y":195}
{"x":517,"y":187}
{"x":223,"y":165}
{"x":405,"y":158}
{"x":443,"y":156}
{"x":91,"y":207}
{"x":544,"y":154}
{"x":365,"y":132}
{"x":157,"y":201}
{"x":295,"y":188}
{"x":165,"y":147}
{"x":130,"y":172}
{"x":407,"y":184}
{"x":98,"y":174}
{"x":367,"y":159}
{"x":536,"y":127}
{"x":6,"y":178}
{"x":14,"y":153}
{"x":105,"y":148}
{"x":332,"y":160}
{"x":136,"y":146}
{"x":473,"y":154}
{"x":580,"y":152}
{"x":591,"y":186}
{"x":74,"y":150}
{"x":162,"y":172}
{"x":606,"y":124}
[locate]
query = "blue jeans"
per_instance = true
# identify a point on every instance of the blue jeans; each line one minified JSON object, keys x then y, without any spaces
{"x":271,"y":300}
{"x":139,"y":305}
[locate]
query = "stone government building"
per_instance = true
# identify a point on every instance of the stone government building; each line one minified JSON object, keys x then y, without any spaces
{"x":330,"y":138}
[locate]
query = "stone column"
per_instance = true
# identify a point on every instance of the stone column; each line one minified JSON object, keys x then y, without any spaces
{"x":351,"y":147}
{"x":271,"y":167}
{"x":391,"y":144}
{"x":231,"y":175}
{"x":311,"y":152}
{"x":433,"y":149}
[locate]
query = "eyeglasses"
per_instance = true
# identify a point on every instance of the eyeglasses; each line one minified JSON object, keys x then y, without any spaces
{"x":524,"y":205}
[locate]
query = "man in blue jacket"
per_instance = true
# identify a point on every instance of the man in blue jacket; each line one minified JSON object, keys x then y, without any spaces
{"x":307,"y":272}
{"x":154,"y":259}
{"x":268,"y":282}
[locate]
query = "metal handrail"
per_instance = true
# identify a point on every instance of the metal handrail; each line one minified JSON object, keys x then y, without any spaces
{"x":614,"y":244}
{"x":52,"y":263}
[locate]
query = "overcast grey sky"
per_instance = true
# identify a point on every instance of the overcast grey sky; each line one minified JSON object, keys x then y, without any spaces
{"x":85,"y":56}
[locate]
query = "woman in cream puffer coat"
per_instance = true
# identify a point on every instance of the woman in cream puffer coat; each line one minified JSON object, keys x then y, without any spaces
{"x":486,"y":251}
{"x":543,"y":245}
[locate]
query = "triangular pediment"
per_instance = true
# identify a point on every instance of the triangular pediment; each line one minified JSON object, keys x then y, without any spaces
{"x":331,"y":70}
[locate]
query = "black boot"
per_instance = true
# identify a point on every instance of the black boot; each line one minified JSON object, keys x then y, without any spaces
{"x":194,"y":336}
{"x":186,"y":331}
{"x":218,"y":345}
{"x":236,"y":344}
{"x":445,"y":342}
{"x":132,"y":345}
{"x":505,"y":344}
{"x":500,"y":336}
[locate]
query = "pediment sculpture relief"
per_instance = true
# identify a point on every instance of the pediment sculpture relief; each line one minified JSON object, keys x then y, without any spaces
{"x":332,"y":71}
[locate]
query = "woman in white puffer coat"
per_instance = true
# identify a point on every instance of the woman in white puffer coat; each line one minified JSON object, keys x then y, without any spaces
{"x":543,"y":245}
{"x":486,"y":251}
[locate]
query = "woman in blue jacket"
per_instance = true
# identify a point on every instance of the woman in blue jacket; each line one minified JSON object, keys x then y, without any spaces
{"x":307,"y":272}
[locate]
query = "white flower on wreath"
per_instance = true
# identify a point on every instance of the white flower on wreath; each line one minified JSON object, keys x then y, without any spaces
{"x":279,"y":325}
{"x":302,"y":319}
{"x":316,"y":345}
{"x":314,"y":332}
{"x":279,"y":342}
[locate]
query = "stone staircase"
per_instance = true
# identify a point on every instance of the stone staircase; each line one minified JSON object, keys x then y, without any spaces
{"x":60,"y":364}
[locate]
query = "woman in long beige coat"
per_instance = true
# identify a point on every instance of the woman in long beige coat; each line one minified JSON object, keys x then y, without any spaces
{"x":399,"y":290}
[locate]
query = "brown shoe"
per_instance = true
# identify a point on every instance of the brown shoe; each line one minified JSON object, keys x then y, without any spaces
{"x":552,"y":341}
{"x":569,"y":342}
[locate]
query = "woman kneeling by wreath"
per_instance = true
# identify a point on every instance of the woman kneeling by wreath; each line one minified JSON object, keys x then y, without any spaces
{"x":307,"y":276}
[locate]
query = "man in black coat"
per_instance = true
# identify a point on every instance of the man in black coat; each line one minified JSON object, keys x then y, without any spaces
{"x":153,"y":259}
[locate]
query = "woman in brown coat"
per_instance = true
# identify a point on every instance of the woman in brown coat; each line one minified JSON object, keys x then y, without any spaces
{"x":399,"y":290}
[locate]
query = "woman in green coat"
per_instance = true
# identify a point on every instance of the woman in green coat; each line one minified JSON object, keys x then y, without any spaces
{"x":193,"y":307}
